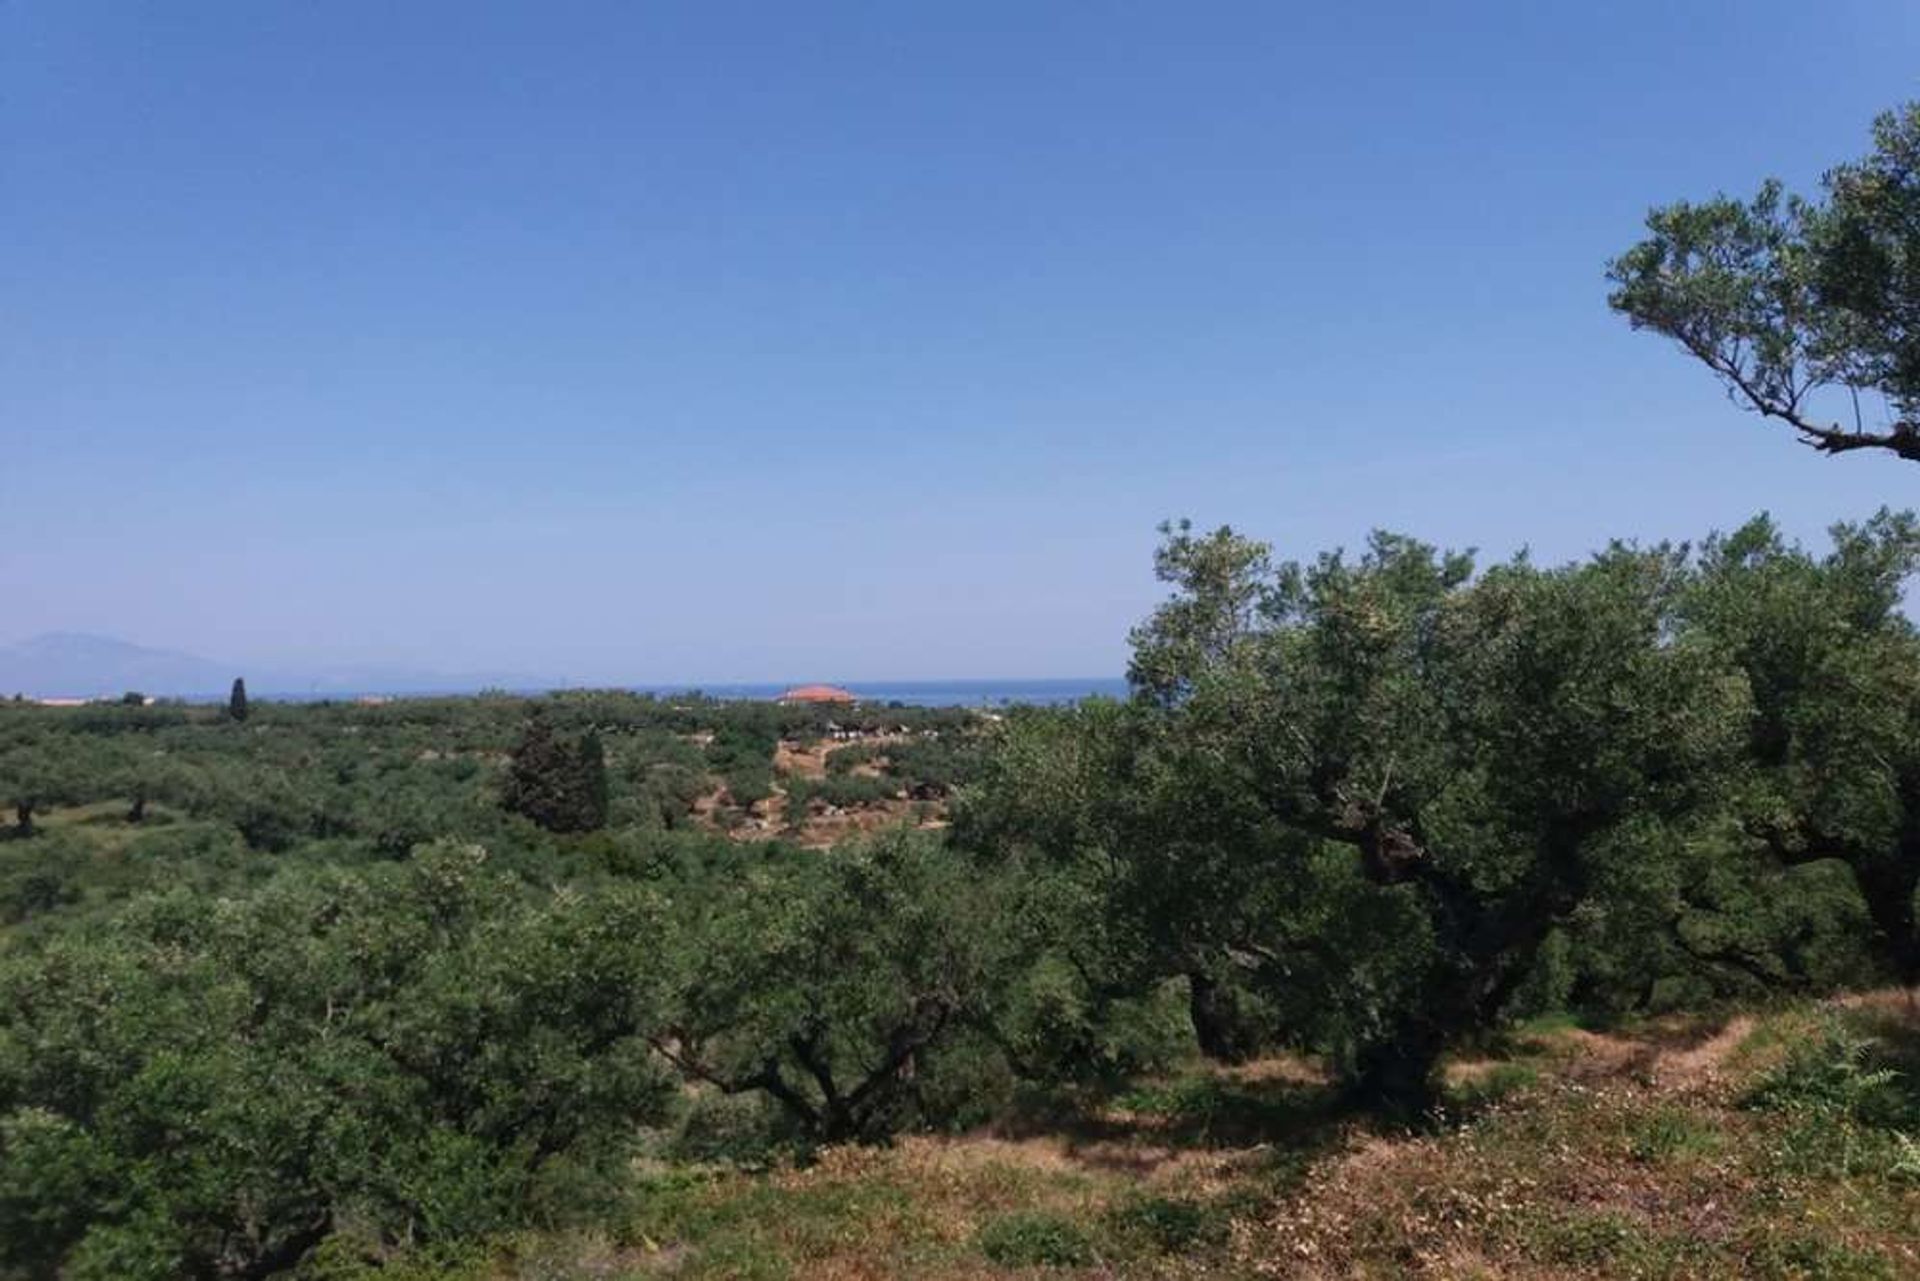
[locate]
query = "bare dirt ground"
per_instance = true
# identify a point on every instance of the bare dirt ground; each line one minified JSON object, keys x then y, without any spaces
{"x":798,"y":760}
{"x":823,"y":826}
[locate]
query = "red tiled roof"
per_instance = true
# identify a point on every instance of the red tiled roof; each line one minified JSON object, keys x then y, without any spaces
{"x":818,"y":694}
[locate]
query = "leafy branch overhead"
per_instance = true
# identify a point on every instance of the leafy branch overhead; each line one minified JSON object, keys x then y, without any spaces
{"x":1786,"y":298}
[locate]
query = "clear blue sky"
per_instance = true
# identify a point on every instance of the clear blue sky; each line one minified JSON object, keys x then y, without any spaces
{"x":651,"y":342}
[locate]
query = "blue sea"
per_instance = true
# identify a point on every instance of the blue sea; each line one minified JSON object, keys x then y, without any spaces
{"x":933,"y":693}
{"x":923,"y":693}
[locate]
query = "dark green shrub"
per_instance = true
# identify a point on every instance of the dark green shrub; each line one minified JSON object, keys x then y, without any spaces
{"x":1035,"y":1239}
{"x":1168,"y":1225}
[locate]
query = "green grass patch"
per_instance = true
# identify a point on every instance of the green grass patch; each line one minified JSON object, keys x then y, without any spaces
{"x":1035,"y":1239}
{"x":1669,"y":1132}
{"x":1549,"y":1024}
{"x":1491,"y":1086}
{"x":1168,"y":1225}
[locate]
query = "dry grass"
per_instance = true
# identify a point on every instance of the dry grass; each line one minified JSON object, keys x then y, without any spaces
{"x":1579,"y":1155}
{"x":822,"y":826}
{"x":1631,"y":1157}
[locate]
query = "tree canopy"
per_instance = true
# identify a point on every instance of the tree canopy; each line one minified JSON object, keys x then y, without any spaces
{"x":1353,"y":801}
{"x":1790,"y":301}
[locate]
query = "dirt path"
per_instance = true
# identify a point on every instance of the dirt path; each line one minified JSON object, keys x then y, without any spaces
{"x":794,"y":760}
{"x":1703,"y":1064}
{"x":1585,"y":1055}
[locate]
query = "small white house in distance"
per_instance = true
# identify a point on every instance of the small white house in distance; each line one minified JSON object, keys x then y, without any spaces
{"x":146,"y":700}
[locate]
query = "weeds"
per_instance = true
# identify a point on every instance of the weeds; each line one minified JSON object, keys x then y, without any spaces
{"x":1669,"y":1133}
{"x":1166,"y":1225}
{"x":1829,"y":1077}
{"x":1036,"y":1240}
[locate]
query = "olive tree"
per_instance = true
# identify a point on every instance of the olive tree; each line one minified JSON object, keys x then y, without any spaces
{"x":1784,"y":298}
{"x":1834,"y":668}
{"x":36,"y":776}
{"x":1489,"y":754}
{"x":208,"y":1086}
{"x":825,"y":984}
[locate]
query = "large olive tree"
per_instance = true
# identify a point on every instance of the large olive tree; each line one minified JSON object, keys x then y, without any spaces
{"x":1388,"y":781}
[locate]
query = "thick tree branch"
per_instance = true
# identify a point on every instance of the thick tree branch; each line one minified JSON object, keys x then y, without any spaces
{"x":902,"y":1046}
{"x":1799,"y":845}
{"x":1901,"y":439}
{"x":1730,"y":956}
{"x":806,"y":1049}
{"x":767,"y":1078}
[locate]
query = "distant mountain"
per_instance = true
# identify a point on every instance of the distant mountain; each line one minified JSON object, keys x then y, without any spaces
{"x":73,"y":664}
{"x":78,"y":665}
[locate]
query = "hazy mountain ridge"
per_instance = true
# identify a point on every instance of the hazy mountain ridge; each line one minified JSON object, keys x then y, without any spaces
{"x":84,"y":665}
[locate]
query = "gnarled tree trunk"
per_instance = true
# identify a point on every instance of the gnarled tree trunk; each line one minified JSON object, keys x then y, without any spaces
{"x":1219,"y":1024}
{"x":1888,"y":886}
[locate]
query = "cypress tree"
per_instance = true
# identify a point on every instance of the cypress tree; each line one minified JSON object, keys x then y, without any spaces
{"x":560,"y":785}
{"x":590,"y":773}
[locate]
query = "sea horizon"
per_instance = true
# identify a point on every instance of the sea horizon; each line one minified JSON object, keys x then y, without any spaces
{"x":1046,"y":691}
{"x":932,"y":692}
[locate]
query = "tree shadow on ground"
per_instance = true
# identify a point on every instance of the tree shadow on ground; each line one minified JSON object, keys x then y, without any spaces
{"x":1279,"y":1123}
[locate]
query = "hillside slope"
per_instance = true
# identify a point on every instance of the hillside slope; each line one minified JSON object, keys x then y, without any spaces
{"x":1762,"y":1145}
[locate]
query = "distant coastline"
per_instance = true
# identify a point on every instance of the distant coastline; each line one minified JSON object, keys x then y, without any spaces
{"x":84,"y":667}
{"x":932,"y":693}
{"x":921,"y":693}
